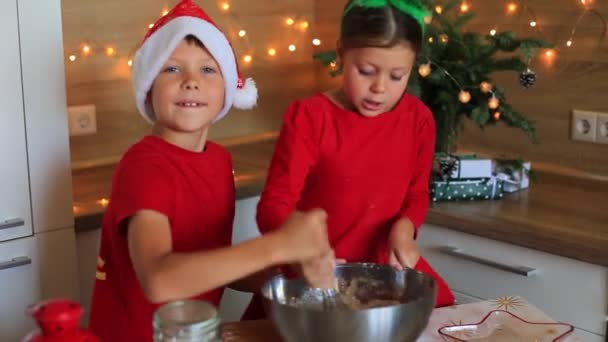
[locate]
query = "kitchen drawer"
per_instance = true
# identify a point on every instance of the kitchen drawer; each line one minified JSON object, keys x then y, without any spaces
{"x":566,"y":289}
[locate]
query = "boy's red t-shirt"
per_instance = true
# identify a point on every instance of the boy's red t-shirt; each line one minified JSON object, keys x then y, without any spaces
{"x":195,"y":190}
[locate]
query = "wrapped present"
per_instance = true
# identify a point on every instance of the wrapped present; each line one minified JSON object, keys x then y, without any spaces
{"x":515,"y":174}
{"x":463,"y":166}
{"x":467,"y":189}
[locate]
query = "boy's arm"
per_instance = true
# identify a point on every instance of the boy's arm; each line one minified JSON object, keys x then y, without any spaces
{"x":295,"y":153}
{"x":416,"y":203}
{"x":165,"y":275}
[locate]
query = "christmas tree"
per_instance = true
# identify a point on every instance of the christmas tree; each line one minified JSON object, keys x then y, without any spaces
{"x":454,"y":70}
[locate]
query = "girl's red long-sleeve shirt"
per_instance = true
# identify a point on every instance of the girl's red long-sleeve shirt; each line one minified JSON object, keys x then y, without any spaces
{"x":366,"y":172}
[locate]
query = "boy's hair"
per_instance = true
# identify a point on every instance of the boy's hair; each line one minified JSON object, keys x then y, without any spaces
{"x":191,"y":39}
{"x":379,"y":27}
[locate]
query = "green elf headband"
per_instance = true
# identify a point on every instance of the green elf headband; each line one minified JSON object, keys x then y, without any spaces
{"x":414,"y":8}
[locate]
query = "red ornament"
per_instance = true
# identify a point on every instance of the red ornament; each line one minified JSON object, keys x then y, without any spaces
{"x":59,"y":320}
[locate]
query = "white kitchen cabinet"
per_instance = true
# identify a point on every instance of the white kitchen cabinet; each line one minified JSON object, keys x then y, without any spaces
{"x":567,"y":290}
{"x":19,"y":287}
{"x":15,"y":210}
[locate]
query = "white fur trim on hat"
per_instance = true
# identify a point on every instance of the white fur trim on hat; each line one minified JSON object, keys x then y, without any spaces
{"x":157,"y":49}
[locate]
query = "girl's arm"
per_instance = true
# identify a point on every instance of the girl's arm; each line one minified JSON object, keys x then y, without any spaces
{"x":296,"y":152}
{"x":165,"y":275}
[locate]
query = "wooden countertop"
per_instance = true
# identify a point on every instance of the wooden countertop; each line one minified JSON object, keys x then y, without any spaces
{"x":560,"y":215}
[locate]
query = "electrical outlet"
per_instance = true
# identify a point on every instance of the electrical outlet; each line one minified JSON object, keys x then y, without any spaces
{"x":601,"y":136}
{"x":584,"y":125}
{"x":82,"y":120}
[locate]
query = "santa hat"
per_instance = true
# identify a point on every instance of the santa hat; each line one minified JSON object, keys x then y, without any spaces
{"x":186,"y":18}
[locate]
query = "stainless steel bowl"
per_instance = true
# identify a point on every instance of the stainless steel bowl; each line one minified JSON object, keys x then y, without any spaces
{"x":299,"y":317}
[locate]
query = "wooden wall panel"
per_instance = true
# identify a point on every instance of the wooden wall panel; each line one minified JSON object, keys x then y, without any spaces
{"x":578,"y":78}
{"x":105,"y":81}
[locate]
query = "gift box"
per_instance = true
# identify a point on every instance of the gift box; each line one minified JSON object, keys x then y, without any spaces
{"x":467,"y":189}
{"x":514,"y":173}
{"x":463,"y":166}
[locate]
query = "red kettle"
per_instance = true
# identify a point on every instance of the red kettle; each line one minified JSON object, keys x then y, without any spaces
{"x":58,"y":320}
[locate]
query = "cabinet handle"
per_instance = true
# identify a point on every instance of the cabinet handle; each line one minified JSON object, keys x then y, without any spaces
{"x":16,"y":262}
{"x":12,"y":223}
{"x":459,"y":253}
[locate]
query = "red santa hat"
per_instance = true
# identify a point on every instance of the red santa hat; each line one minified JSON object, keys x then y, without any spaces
{"x":186,"y":18}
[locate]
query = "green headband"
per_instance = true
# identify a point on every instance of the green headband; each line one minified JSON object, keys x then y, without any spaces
{"x":414,"y":8}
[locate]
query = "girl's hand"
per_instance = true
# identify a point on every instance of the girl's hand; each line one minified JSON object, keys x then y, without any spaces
{"x":402,"y":250}
{"x":320,"y":272}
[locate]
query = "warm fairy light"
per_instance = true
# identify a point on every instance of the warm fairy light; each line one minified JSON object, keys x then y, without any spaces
{"x":464,"y":7}
{"x":72,"y":58}
{"x":569,"y":43}
{"x":272,"y":52}
{"x":247,"y":58}
{"x":292,"y":48}
{"x":289,"y":21}
{"x":75,"y":209}
{"x":110,"y":51}
{"x":428,"y":19}
{"x":464,"y":96}
{"x":533,"y":23}
{"x":485,"y":87}
{"x":493,"y":102}
{"x":444,"y":38}
{"x":304,"y":25}
{"x":150,"y":26}
{"x":316,"y":42}
{"x":333,"y":65}
{"x":242,"y":33}
{"x":512,"y":7}
{"x":431,"y":40}
{"x":497,"y":116}
{"x":550,"y":53}
{"x":424,"y":70}
{"x":493,"y":32}
{"x":86,"y":49}
{"x":130,"y":62}
{"x":104,"y":202}
{"x":438,"y":9}
{"x":225,"y":6}
{"x":165,"y":12}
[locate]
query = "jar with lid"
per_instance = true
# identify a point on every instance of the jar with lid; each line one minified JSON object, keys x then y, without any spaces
{"x":186,"y":321}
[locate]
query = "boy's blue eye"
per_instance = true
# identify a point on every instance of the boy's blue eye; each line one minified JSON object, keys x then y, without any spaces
{"x":365,"y":72}
{"x":396,"y":78}
{"x":208,"y":70}
{"x":171,"y":69}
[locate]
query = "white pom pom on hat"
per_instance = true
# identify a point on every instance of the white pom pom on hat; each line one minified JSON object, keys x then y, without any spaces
{"x":186,"y":18}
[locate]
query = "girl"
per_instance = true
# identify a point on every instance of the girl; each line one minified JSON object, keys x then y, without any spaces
{"x":362,"y":152}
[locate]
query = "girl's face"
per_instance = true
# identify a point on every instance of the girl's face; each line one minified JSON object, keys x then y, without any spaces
{"x":375,"y":78}
{"x":189,"y":91}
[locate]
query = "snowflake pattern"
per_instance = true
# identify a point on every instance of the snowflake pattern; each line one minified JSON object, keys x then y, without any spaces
{"x":507,"y":302}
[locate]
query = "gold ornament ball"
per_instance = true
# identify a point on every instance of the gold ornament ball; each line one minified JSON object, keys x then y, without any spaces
{"x":493,"y":103}
{"x":464,"y":96}
{"x":424,"y":70}
{"x":485,"y":87}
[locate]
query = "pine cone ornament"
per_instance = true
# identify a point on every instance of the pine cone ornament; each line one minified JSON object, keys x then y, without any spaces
{"x":527,"y":78}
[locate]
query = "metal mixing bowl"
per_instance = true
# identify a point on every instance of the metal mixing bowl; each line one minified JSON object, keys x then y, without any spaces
{"x":299,"y":315}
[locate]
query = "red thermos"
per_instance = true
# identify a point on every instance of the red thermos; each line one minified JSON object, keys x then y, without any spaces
{"x":59,"y":320}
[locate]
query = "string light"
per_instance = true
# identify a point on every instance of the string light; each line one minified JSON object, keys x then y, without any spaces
{"x":130,"y":63}
{"x":424,"y":70}
{"x":104,"y":202}
{"x":497,"y":116}
{"x":290,"y":21}
{"x":292,"y":48}
{"x":444,"y":38}
{"x":165,"y":12}
{"x":569,"y":43}
{"x":110,"y":51}
{"x":464,"y":96}
{"x":304,"y":25}
{"x":151,"y":26}
{"x":225,"y":6}
{"x":512,"y":8}
{"x":493,"y":32}
{"x":431,"y":40}
{"x":493,"y":102}
{"x":247,"y":58}
{"x":438,"y":9}
{"x":464,"y":7}
{"x":333,"y":65}
{"x":272,"y":52}
{"x":485,"y":87}
{"x":242,"y":33}
{"x":72,"y":58}
{"x":533,"y":23}
{"x":428,"y":19}
{"x":316,"y":42}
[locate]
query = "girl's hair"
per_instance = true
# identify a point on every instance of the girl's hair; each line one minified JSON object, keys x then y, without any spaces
{"x":379,"y":27}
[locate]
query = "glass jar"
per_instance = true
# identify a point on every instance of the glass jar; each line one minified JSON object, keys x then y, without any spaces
{"x":186,"y":321}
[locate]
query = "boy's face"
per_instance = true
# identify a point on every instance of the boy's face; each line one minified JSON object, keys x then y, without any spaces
{"x":375,"y":78}
{"x":188,"y":93}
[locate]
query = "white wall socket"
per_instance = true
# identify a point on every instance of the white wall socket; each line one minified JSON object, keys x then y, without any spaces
{"x":81,"y":120}
{"x":601,"y":136}
{"x":584,"y":125}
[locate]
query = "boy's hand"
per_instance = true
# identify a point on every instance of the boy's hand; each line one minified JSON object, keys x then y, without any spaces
{"x":402,"y":250}
{"x":319,"y":272}
{"x":304,"y":236}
